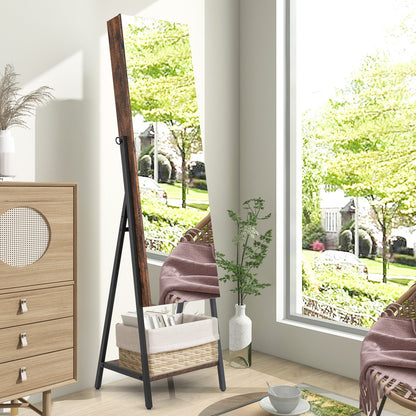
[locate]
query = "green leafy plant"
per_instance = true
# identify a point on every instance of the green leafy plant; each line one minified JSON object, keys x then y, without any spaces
{"x":251,"y":250}
{"x":14,"y":107}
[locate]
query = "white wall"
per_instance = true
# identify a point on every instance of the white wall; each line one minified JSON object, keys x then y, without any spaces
{"x":222,"y":80}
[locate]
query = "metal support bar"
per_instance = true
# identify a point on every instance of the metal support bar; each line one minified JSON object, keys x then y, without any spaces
{"x":110,"y":365}
{"x":136,"y":272}
{"x":127,"y":216}
{"x":220,"y":365}
{"x":380,"y":408}
{"x":111,"y":296}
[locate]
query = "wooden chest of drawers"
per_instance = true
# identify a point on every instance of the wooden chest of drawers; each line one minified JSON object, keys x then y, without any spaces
{"x":38,"y":291}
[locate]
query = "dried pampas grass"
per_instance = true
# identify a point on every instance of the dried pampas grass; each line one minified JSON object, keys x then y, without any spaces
{"x":14,"y":108}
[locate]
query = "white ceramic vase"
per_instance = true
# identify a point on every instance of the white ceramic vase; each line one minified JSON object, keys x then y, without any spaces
{"x":7,"y":154}
{"x":240,"y":338}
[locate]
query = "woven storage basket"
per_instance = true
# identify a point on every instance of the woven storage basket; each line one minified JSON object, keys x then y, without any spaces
{"x":165,"y":363}
{"x":191,"y":343}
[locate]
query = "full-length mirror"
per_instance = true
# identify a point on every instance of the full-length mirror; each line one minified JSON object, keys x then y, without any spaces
{"x":168,"y":180}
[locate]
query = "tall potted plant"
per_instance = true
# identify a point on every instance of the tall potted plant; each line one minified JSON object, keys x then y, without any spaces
{"x":251,"y":250}
{"x":13,"y":109}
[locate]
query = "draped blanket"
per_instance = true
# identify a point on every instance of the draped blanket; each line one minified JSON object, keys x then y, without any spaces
{"x":388,"y":351}
{"x":189,"y":273}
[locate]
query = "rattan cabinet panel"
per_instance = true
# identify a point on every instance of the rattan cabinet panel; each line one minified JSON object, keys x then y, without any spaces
{"x":38,"y":290}
{"x":47,"y":219}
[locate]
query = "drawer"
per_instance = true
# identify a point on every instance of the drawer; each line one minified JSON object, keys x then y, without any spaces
{"x":41,"y":305}
{"x":33,"y":339}
{"x":40,"y":371}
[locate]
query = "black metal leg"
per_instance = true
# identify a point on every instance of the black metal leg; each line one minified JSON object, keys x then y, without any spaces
{"x":111,"y":297}
{"x":380,"y":408}
{"x":145,"y":363}
{"x":220,"y":366}
{"x":136,"y":270}
{"x":179,"y":308}
{"x":171,"y":388}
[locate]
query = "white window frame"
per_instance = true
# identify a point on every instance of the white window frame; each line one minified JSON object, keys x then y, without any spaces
{"x":331,"y":221}
{"x":293,"y":232}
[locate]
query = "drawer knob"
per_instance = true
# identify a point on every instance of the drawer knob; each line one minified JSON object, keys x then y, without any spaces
{"x":23,"y":339}
{"x":23,"y":375}
{"x":23,"y":306}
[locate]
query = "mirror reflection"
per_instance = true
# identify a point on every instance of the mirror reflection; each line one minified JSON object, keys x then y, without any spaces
{"x":170,"y":157}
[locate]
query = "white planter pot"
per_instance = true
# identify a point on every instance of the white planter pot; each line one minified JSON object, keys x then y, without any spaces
{"x":240,"y":337}
{"x":7,"y":154}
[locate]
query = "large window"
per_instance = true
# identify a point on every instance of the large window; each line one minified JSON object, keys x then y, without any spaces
{"x":352,"y":142}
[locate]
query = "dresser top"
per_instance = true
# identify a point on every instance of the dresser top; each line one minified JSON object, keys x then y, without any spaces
{"x":37,"y":184}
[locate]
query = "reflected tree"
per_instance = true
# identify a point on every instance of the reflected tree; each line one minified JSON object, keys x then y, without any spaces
{"x":162,"y":84}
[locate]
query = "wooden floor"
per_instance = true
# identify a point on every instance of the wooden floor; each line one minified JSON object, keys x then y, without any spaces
{"x":193,"y":392}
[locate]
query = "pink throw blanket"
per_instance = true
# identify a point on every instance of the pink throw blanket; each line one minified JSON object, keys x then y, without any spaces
{"x":189,"y":273}
{"x":388,"y":350}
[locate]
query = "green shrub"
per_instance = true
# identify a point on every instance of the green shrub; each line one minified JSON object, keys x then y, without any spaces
{"x":345,"y":241}
{"x":354,"y":294}
{"x":145,"y":166}
{"x":404,"y":259}
{"x":311,"y":233}
{"x":164,"y":225}
{"x":164,"y":168}
{"x":397,"y":243}
{"x":309,"y":281}
{"x":199,"y":184}
{"x":365,"y":243}
{"x":406,"y":250}
{"x":197,"y":170}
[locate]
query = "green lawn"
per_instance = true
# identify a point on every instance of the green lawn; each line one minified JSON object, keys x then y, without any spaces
{"x":374,"y":266}
{"x":193,"y":195}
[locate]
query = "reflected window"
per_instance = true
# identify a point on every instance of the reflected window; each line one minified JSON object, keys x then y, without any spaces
{"x":166,"y":124}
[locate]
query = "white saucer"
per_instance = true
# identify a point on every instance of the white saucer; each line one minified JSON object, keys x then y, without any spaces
{"x":302,"y":407}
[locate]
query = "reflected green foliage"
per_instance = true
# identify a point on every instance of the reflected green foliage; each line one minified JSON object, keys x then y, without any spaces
{"x":164,"y":226}
{"x":325,"y":406}
{"x":162,"y":84}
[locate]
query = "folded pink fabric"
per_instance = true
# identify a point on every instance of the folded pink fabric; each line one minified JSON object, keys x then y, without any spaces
{"x":189,"y":273}
{"x":388,"y":350}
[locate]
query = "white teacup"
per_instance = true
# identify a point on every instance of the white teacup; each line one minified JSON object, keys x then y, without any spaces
{"x":284,"y":398}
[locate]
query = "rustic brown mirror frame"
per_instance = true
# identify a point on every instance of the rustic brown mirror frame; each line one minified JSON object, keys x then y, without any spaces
{"x":125,"y":131}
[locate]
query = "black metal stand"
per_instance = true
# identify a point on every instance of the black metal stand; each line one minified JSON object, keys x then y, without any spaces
{"x":380,"y":408}
{"x":127,"y":217}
